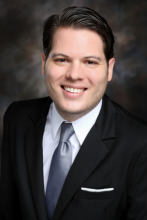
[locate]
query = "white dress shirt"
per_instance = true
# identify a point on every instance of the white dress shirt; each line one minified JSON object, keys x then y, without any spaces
{"x":51,"y":134}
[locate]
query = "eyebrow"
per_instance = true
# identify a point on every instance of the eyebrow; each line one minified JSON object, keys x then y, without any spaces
{"x":94,"y":57}
{"x":58,"y":54}
{"x":87,"y":57}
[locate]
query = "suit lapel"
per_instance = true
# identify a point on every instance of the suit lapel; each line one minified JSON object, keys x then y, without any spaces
{"x":106,"y":120}
{"x":34,"y":159}
{"x":91,"y":153}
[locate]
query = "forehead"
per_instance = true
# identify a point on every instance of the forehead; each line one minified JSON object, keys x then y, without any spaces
{"x":77,"y":40}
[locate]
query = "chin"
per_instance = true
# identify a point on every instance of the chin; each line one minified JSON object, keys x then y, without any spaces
{"x":71,"y":111}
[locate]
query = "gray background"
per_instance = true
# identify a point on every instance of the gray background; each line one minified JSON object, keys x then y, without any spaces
{"x":21,"y":24}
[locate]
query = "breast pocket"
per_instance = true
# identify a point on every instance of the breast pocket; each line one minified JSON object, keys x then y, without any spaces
{"x":93,"y":205}
{"x":88,"y":193}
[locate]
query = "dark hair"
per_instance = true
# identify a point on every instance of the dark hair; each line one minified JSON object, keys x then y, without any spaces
{"x":78,"y":18}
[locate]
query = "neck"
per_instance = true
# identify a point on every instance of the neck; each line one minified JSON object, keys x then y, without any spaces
{"x":72,"y":116}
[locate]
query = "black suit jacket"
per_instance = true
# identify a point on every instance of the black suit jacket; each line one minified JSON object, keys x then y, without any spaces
{"x":113,"y":155}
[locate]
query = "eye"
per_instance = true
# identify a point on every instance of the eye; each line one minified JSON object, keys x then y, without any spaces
{"x":61,"y":60}
{"x":91,"y":62}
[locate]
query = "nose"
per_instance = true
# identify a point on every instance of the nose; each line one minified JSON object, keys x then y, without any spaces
{"x":75,"y":72}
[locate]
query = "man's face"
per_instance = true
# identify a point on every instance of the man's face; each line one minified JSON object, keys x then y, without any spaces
{"x":76,"y":72}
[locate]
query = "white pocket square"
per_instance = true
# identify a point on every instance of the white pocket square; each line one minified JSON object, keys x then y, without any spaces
{"x":97,"y":190}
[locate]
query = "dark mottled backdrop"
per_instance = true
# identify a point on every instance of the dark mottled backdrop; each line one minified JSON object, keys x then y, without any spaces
{"x":21,"y":47}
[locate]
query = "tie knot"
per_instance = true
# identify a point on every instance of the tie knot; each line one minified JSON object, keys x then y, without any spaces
{"x":66,"y":131}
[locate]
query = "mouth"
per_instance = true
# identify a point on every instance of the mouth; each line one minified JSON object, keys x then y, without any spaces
{"x":72,"y":90}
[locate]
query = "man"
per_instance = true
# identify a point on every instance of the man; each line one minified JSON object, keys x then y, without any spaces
{"x":100,"y":170}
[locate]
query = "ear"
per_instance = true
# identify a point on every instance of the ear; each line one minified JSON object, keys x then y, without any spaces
{"x":43,"y":63}
{"x":110,"y":68}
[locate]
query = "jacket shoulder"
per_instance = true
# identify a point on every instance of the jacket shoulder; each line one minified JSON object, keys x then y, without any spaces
{"x":25,"y":107}
{"x":129,"y":116}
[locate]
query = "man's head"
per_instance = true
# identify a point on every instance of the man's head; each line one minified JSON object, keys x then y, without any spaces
{"x":78,"y":18}
{"x":77,"y":61}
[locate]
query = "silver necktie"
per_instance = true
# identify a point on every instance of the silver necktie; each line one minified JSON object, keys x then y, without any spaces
{"x":60,"y":165}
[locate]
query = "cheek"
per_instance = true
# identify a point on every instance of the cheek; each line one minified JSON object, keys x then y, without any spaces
{"x":51,"y":74}
{"x":98,"y":79}
{"x":54,"y":73}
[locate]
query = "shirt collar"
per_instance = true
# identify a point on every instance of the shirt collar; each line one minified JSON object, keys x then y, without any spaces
{"x":81,"y":126}
{"x":55,"y":119}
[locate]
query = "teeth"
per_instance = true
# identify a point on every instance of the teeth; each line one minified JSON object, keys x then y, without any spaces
{"x":73,"y":90}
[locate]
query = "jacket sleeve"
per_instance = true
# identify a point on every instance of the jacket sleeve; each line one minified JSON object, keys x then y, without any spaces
{"x":9,"y":199}
{"x":137,"y":189}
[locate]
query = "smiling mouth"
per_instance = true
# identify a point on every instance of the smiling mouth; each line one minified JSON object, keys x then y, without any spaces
{"x":72,"y":90}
